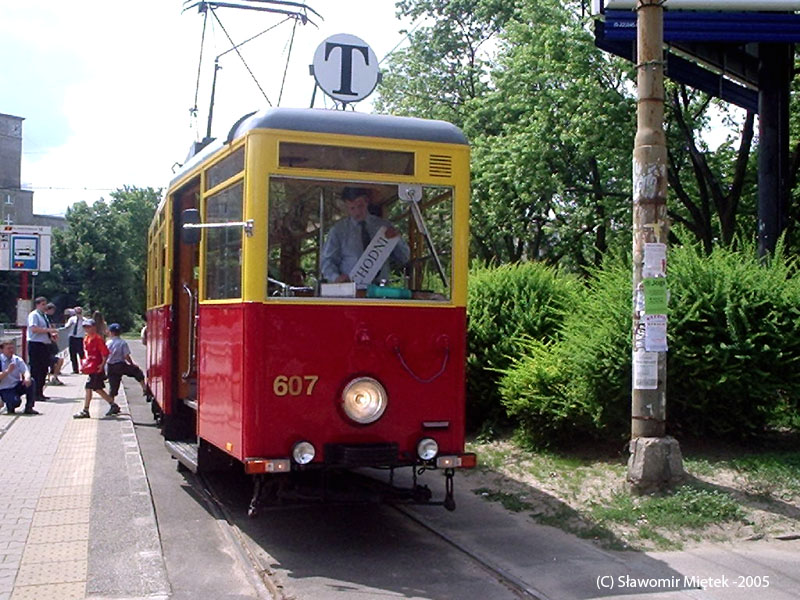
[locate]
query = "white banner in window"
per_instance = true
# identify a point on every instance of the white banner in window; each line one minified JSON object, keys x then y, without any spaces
{"x":371,"y":261}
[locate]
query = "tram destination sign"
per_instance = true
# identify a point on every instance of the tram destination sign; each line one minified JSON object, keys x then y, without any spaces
{"x":345,"y":68}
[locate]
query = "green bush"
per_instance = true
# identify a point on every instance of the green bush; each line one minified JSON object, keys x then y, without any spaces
{"x":579,"y":384}
{"x":504,"y":304}
{"x":733,"y":363}
{"x":734,"y":327}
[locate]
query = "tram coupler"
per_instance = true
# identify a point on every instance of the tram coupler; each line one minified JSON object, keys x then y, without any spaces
{"x":258,"y":484}
{"x":449,"y":497}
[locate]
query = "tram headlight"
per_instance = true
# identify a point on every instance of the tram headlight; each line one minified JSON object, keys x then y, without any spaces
{"x":427,"y":448}
{"x":303,"y":452}
{"x":364,"y":400}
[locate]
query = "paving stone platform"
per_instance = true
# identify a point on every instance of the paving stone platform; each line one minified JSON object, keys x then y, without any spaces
{"x":63,"y":483}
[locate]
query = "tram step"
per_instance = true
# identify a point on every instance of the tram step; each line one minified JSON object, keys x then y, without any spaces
{"x":185,"y":452}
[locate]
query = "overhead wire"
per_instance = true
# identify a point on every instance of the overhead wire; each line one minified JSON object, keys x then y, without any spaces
{"x":403,"y":39}
{"x":288,"y":57}
{"x":244,"y":62}
{"x":193,"y":110}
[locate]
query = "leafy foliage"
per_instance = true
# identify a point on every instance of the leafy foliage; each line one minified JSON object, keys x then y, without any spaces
{"x":551,"y":144}
{"x":710,"y":192}
{"x":551,"y":122}
{"x":99,"y":260}
{"x":580,"y":383}
{"x":447,"y":62}
{"x":735,"y":340}
{"x":504,"y":304}
{"x":734,"y":336}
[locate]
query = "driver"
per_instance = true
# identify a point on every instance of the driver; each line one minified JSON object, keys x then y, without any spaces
{"x":349,"y":237}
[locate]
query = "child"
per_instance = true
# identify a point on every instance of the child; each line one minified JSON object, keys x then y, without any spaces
{"x":96,"y":353}
{"x":120,"y":363}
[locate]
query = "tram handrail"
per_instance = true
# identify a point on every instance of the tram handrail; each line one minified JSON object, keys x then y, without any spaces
{"x":192,"y":332}
{"x":246,"y":225}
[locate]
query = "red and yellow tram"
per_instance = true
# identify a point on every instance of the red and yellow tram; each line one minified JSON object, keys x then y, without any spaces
{"x":254,"y":356}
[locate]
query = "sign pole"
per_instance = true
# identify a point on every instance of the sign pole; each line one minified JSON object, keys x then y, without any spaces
{"x":655,"y":460}
{"x":23,"y":293}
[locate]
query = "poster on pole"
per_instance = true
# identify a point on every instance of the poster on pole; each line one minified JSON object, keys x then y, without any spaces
{"x":645,"y":370}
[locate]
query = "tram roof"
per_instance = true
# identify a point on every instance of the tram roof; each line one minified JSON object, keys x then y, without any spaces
{"x":318,"y":120}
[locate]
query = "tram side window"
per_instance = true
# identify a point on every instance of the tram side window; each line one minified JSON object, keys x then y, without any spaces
{"x":315,"y":241}
{"x":225,"y":169}
{"x":223,"y":245}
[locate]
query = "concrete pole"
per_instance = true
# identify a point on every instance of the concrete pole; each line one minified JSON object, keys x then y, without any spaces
{"x":652,"y":464}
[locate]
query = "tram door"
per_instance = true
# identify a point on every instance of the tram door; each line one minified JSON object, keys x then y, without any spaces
{"x":184,"y":318}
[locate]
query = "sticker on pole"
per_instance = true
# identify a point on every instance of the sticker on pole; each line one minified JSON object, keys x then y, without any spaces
{"x":645,"y":370}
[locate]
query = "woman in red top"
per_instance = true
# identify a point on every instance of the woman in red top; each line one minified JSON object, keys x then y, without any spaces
{"x":93,"y":364}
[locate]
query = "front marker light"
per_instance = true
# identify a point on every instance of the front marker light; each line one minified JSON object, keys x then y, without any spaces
{"x":303,"y":452}
{"x":427,"y":448}
{"x":364,"y":400}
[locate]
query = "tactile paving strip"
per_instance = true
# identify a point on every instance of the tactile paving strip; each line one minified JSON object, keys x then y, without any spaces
{"x":55,"y":559}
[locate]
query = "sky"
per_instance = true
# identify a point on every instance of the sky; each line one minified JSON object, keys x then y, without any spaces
{"x":106,"y":87}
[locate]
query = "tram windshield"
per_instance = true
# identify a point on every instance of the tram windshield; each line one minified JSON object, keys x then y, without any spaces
{"x":359,"y":240}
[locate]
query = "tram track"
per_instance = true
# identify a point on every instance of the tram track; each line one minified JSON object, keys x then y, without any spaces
{"x":264,"y":579}
{"x":514,"y":584}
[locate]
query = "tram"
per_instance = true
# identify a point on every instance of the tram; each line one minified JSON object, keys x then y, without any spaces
{"x":255,"y":357}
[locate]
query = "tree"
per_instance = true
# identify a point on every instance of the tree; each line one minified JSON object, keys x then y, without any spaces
{"x":551,"y":122}
{"x":447,"y":61}
{"x":552,"y":163}
{"x":708,"y":187}
{"x":100,"y":259}
{"x":792,"y":229}
{"x":135,"y":208}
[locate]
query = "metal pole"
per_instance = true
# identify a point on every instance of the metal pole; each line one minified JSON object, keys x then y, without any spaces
{"x":23,"y":294}
{"x":647,"y":468}
{"x":774,"y":80}
{"x":211,"y":102}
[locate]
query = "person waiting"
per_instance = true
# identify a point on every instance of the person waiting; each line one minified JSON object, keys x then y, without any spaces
{"x":39,"y":332}
{"x":76,"y":335}
{"x":15,"y":380}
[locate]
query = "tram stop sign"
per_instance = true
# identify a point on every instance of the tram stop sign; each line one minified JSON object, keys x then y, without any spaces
{"x":24,"y":248}
{"x":345,"y":68}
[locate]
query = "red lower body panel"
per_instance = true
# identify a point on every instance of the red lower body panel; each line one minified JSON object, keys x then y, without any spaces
{"x":270,"y":375}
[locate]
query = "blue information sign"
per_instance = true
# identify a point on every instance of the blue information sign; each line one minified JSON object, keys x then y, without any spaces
{"x":24,"y":252}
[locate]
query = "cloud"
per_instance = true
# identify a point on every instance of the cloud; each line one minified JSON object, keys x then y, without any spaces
{"x":105,"y":87}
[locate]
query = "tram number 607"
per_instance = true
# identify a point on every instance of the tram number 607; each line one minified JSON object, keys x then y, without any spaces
{"x":294,"y":385}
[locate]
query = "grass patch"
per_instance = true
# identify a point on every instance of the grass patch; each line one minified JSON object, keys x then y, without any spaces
{"x":689,"y":506}
{"x":733,"y":493}
{"x":775,"y":474}
{"x":699,"y":467}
